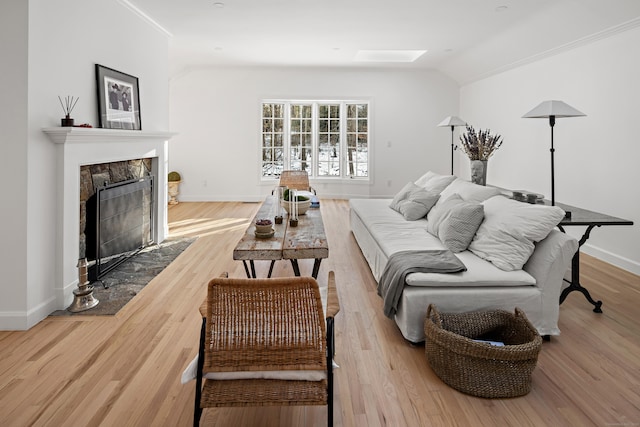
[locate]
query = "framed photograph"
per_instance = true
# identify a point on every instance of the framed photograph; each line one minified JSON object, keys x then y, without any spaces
{"x":118,"y":99}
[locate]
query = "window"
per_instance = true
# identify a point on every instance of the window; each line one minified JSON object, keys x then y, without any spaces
{"x":325,"y":138}
{"x":272,"y":139}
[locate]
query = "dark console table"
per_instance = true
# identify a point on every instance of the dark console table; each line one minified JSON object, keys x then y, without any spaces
{"x":589,"y":219}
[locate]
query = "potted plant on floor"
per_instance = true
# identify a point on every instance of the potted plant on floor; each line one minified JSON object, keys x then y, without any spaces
{"x":174,"y":180}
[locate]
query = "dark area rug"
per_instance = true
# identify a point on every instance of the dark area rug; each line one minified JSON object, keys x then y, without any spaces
{"x":125,"y":281}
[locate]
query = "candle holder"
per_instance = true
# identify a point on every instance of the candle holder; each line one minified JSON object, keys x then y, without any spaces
{"x":279,"y":194}
{"x":83,"y":296}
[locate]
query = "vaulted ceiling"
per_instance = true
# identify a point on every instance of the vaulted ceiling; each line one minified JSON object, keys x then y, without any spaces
{"x":466,"y":39}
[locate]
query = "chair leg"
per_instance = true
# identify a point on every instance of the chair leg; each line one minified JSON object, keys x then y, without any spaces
{"x":330,"y":354}
{"x":197,"y":412}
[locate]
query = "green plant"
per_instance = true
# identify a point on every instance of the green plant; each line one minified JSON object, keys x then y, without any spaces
{"x":298,"y":198}
{"x":479,"y":145}
{"x":174,"y":177}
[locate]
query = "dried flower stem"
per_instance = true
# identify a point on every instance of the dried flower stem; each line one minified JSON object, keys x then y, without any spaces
{"x":479,"y":145}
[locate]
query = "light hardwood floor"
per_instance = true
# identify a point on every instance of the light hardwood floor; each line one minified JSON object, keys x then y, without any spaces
{"x":125,"y":369}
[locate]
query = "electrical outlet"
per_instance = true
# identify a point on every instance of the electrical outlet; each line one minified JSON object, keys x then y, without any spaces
{"x":204,"y":183}
{"x":389,"y":183}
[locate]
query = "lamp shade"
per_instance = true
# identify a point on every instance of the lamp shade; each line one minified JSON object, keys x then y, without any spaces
{"x":452,"y":121}
{"x":553,"y":109}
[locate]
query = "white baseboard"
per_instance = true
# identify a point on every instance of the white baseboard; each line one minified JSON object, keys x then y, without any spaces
{"x":23,"y":320}
{"x":617,"y":260}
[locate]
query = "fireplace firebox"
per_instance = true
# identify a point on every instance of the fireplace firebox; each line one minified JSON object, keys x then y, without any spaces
{"x":119,"y":224}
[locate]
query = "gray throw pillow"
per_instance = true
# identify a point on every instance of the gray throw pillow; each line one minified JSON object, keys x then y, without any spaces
{"x":418,"y":204}
{"x":457,"y":231}
{"x":455,"y":222}
{"x":413,"y":202}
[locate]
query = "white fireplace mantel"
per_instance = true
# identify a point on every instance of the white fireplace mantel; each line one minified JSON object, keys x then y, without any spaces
{"x":62,"y":135}
{"x":76,"y":147}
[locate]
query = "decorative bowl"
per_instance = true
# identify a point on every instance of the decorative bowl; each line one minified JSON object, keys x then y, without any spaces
{"x":302,"y":206}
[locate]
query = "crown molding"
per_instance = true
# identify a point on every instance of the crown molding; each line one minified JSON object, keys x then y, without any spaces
{"x":583,"y":41}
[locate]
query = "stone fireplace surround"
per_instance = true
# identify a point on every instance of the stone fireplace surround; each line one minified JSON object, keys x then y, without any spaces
{"x":76,"y":147}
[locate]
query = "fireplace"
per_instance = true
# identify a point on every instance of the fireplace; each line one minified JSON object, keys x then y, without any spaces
{"x":80,"y":147}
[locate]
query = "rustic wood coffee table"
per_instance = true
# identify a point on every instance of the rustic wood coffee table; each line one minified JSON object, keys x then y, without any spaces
{"x":306,"y":241}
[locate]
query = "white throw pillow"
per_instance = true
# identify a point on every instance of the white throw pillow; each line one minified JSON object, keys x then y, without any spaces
{"x":441,"y":211}
{"x":434,"y":182}
{"x":506,"y":236}
{"x":469,"y":191}
{"x":424,"y":178}
{"x":402,"y":195}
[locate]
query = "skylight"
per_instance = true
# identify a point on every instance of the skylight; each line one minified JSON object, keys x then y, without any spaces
{"x":388,"y":55}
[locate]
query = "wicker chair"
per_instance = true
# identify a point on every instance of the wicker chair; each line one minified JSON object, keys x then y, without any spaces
{"x":298,"y":180}
{"x":254,"y":327}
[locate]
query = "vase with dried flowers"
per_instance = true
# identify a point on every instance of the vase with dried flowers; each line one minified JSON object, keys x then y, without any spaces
{"x":68,"y":105}
{"x":479,"y":146}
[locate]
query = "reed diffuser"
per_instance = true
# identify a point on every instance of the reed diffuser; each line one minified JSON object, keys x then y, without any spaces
{"x":67,"y":106}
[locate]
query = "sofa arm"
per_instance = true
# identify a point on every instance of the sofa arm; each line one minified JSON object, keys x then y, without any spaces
{"x":551,"y":258}
{"x":548,"y":265}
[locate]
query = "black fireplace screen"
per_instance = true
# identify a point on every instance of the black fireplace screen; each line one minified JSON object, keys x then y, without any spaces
{"x":123,"y":218}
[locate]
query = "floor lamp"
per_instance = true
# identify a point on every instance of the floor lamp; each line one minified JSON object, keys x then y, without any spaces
{"x":553,"y":109}
{"x":452,"y":121}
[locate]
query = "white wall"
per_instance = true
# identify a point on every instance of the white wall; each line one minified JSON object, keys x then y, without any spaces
{"x":596,"y":156}
{"x":65,"y":38}
{"x":13,"y":153}
{"x":216,"y":113}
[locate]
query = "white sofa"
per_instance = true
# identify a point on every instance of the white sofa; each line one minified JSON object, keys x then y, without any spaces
{"x":535,"y":287}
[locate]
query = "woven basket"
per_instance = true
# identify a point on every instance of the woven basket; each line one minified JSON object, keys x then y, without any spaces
{"x":481,"y":369}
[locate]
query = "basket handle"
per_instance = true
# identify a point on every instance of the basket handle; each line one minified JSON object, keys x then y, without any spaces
{"x":431,"y":309}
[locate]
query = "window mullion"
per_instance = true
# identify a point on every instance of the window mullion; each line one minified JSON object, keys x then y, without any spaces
{"x":287,"y":135}
{"x":314,"y":140}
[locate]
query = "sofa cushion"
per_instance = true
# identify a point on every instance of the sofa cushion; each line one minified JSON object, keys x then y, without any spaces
{"x":506,"y":236}
{"x":414,"y":202}
{"x":480,"y":273}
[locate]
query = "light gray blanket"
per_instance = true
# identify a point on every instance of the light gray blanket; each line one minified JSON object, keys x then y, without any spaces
{"x":402,"y":263}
